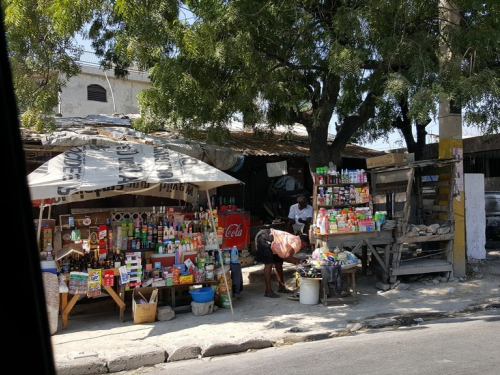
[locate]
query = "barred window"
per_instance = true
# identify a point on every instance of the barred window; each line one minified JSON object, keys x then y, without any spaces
{"x":96,"y":93}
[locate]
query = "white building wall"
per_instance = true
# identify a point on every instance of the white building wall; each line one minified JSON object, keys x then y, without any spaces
{"x":73,"y":98}
{"x":475,"y":216}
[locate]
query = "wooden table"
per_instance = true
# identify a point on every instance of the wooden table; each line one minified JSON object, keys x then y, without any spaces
{"x":118,"y":296}
{"x":360,"y":240}
{"x":67,"y":307}
{"x":350,"y":275}
{"x":171,"y":287}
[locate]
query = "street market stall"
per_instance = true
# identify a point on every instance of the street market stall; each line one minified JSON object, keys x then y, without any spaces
{"x":100,"y":240}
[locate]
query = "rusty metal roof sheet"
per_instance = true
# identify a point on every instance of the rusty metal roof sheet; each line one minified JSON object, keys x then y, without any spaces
{"x":104,"y":129}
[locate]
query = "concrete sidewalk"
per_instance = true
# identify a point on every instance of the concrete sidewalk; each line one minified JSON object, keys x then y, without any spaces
{"x":95,"y":341}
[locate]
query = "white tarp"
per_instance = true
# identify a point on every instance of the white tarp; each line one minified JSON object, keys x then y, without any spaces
{"x":92,"y":172}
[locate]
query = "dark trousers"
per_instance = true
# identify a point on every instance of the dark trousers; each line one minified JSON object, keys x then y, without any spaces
{"x":332,"y":280}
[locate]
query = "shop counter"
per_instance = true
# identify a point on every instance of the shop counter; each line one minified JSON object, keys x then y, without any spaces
{"x":162,"y":289}
{"x":67,"y":307}
{"x":117,"y":293}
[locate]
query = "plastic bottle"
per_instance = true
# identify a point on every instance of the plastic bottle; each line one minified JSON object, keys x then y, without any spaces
{"x":49,"y":251}
{"x":234,"y":255}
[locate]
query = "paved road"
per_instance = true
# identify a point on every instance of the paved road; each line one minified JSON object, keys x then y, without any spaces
{"x":449,"y":346}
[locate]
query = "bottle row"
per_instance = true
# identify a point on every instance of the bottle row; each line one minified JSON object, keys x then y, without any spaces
{"x":328,"y":175}
{"x":342,"y":195}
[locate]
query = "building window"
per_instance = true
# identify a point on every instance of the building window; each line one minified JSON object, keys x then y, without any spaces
{"x":96,"y":93}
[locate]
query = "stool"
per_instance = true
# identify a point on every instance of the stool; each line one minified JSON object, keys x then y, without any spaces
{"x":350,"y":275}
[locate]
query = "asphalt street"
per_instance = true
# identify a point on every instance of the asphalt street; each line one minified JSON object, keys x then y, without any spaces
{"x":96,"y":342}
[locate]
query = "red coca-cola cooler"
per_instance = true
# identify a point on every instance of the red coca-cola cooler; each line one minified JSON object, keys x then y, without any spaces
{"x":236,"y":227}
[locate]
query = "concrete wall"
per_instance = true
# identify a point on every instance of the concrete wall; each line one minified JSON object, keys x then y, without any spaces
{"x":475,"y":216}
{"x":74,"y":101}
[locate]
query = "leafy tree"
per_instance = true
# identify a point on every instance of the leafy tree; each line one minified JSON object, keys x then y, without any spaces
{"x":42,"y":58}
{"x":374,"y":65}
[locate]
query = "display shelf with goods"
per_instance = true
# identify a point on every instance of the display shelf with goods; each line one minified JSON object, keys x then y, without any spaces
{"x":344,"y":216}
{"x":164,"y":248}
{"x":419,"y":197}
{"x":47,"y":233}
{"x":342,"y":202}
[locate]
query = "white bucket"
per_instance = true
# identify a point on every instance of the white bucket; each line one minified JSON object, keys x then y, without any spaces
{"x":309,"y":291}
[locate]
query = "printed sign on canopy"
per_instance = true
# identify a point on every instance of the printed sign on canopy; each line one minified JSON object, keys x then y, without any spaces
{"x":92,"y":172}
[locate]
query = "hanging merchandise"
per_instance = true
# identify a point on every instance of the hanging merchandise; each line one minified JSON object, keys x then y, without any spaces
{"x":234,"y":255}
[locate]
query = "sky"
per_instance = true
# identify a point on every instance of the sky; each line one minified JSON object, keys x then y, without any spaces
{"x":397,"y":141}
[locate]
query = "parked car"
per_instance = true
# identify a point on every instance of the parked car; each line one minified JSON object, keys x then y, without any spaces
{"x":492,"y":208}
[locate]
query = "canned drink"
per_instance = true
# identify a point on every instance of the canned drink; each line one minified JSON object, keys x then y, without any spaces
{"x":71,"y":221}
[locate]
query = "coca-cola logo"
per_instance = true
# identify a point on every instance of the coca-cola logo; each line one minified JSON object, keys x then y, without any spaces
{"x":233,"y":230}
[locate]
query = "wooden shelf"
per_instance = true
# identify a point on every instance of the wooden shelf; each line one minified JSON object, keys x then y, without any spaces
{"x":423,"y":239}
{"x":424,"y":202}
{"x":356,"y":184}
{"x":417,"y":266}
{"x":341,"y":205}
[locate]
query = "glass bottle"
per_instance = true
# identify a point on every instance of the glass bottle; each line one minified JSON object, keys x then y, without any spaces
{"x":118,"y":259}
{"x":49,"y":251}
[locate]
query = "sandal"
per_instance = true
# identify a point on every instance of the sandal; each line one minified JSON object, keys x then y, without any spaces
{"x":284,"y":290}
{"x":294,"y":297}
{"x":271,"y":295}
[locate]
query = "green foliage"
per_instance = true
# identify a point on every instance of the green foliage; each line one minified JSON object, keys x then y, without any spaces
{"x":38,"y":121}
{"x":369,"y":63}
{"x":42,"y":56}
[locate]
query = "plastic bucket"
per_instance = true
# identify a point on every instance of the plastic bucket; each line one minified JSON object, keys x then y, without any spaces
{"x":309,"y":291}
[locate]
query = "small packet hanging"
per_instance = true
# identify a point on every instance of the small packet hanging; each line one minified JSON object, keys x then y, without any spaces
{"x":76,"y":234}
{"x":124,"y":275}
{"x":63,"y":287}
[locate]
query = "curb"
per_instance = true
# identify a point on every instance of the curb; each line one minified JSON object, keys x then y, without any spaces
{"x":90,"y":363}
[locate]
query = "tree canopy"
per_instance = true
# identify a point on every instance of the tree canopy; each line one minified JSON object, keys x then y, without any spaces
{"x":42,"y":57}
{"x":373,"y":65}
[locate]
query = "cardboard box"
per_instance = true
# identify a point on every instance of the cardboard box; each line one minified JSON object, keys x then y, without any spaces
{"x":144,"y":313}
{"x":386,"y":160}
{"x":246,"y":261}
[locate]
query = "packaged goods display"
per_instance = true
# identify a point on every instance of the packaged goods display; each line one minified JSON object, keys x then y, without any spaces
{"x":343,"y":202}
{"x":164,"y":247}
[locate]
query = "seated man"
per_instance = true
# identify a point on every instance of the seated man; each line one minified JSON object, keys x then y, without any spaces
{"x":265,"y":254}
{"x":300,"y":216}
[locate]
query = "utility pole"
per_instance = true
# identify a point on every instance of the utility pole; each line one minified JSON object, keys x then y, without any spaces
{"x":450,"y":138}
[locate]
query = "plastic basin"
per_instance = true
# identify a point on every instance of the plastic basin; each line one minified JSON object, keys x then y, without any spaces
{"x":204,"y":294}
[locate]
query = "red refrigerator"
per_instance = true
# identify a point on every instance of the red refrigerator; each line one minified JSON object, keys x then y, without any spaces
{"x":236,"y":227}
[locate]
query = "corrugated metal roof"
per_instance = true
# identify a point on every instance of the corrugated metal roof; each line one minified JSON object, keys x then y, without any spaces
{"x":280,"y":144}
{"x":106,"y":129}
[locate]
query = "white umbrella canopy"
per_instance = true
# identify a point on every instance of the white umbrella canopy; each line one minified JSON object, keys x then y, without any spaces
{"x":93,"y":172}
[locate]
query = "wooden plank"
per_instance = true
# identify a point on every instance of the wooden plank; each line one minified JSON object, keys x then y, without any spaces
{"x":436,"y":197}
{"x":389,"y":187}
{"x":394,"y":176}
{"x":377,"y":256}
{"x":350,"y":276}
{"x":423,"y":239}
{"x":433,"y":171}
{"x":419,"y":266}
{"x":445,"y":183}
{"x":435,"y":208}
{"x":67,"y":309}
{"x":353,"y":238}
